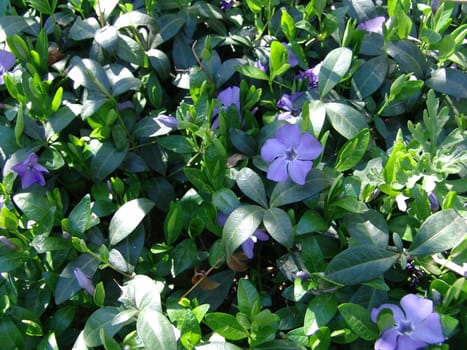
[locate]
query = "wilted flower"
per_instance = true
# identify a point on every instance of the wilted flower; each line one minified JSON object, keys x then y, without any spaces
{"x":311,"y":74}
{"x":288,"y":103}
{"x":7,"y":60}
{"x":434,"y":202}
{"x":415,"y":325}
{"x":226,"y":4}
{"x":293,"y":61}
{"x":249,"y":244}
{"x":291,"y":153}
{"x":84,"y":281}
{"x":30,"y":171}
{"x":374,"y":25}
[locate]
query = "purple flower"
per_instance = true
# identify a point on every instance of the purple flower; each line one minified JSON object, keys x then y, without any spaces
{"x":167,"y":120}
{"x":288,"y":103}
{"x":1,"y":201}
{"x":260,"y":65}
{"x":293,"y":61}
{"x":7,"y":60}
{"x":312,"y":74}
{"x":374,"y":25}
{"x":6,"y":242}
{"x":415,"y":325}
{"x":30,"y":171}
{"x":291,"y":153}
{"x":249,"y":244}
{"x":226,"y":4}
{"x":229,"y":96}
{"x":434,"y":202}
{"x":84,"y":280}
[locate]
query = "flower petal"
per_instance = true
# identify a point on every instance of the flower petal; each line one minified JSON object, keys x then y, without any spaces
{"x":277,"y":170}
{"x":285,"y":102}
{"x":229,"y":96}
{"x":429,"y":330}
{"x":388,"y":340}
{"x":397,"y":313}
{"x":416,"y":308}
{"x":272,"y":149}
{"x":405,"y":342}
{"x":261,"y":235}
{"x":289,"y":135}
{"x":247,"y":248}
{"x":298,"y":169}
{"x":308,"y":148}
{"x":7,"y":59}
{"x":28,"y":179}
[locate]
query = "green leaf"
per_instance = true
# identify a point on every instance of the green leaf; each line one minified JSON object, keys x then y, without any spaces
{"x":127,"y":218}
{"x":359,"y":321}
{"x":35,"y":206}
{"x":67,"y":285}
{"x":439,"y":232}
{"x":240,"y":225}
{"x":80,"y":216}
{"x":142,"y":293}
{"x":263,"y":328}
{"x":10,"y":25}
{"x":90,"y":74}
{"x":335,"y":65}
{"x":105,"y":159}
{"x":448,"y":81}
{"x":359,"y":264}
{"x":369,"y":77}
{"x":173,"y":223}
{"x":279,"y":59}
{"x":353,"y":151}
{"x":251,"y":185}
{"x":225,"y":200}
{"x":252,"y":72}
{"x":100,"y":319}
{"x":319,"y":312}
{"x":10,"y":336}
{"x":190,"y":330}
{"x":409,"y":56}
{"x":176,"y":143}
{"x":226,"y":325}
{"x":311,"y":221}
{"x":155,"y":330}
{"x":287,"y":25}
{"x":369,"y":227}
{"x":277,"y":223}
{"x":83,"y":29}
{"x":289,"y":192}
{"x":346,"y":120}
{"x":249,"y":300}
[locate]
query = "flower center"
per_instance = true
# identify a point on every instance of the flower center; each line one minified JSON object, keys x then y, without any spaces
{"x":295,"y":112}
{"x":405,"y":327}
{"x":290,"y":154}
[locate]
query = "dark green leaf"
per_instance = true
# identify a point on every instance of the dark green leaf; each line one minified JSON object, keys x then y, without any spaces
{"x":409,"y":56}
{"x":251,"y":185}
{"x":345,"y":119}
{"x":277,"y":223}
{"x":448,"y":81}
{"x":249,"y":300}
{"x":226,"y":325}
{"x":359,"y":321}
{"x":369,"y":227}
{"x":105,"y":159}
{"x":335,"y":66}
{"x":100,"y":319}
{"x":370,"y":76}
{"x":319,"y":312}
{"x":353,"y":151}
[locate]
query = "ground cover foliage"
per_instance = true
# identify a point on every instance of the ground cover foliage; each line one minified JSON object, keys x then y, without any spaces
{"x":233,"y":174}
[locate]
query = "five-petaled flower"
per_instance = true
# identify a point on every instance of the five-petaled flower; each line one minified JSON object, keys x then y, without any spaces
{"x":84,"y":281}
{"x":374,"y":25}
{"x":415,"y":325}
{"x":291,"y":154}
{"x":30,"y":171}
{"x":249,"y":244}
{"x":7,"y":60}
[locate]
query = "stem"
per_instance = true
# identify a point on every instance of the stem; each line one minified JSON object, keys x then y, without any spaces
{"x":460,"y":270}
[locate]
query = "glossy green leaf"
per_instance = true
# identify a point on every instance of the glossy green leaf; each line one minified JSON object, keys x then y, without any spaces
{"x":359,"y":321}
{"x":335,"y":65}
{"x":80,"y":216}
{"x":289,"y":192}
{"x":105,"y":159}
{"x":100,"y":319}
{"x":346,"y":120}
{"x":369,"y":227}
{"x":120,"y":227}
{"x":10,"y":336}
{"x":226,"y":325}
{"x":252,"y":186}
{"x":249,"y":300}
{"x":143,"y":293}
{"x":34,"y":205}
{"x":353,"y":151}
{"x":369,"y":76}
{"x":90,"y":74}
{"x":240,"y":225}
{"x":359,"y":264}
{"x":252,"y":72}
{"x":448,"y":81}
{"x":439,"y":232}
{"x":319,"y":312}
{"x":278,"y":225}
{"x":409,"y":56}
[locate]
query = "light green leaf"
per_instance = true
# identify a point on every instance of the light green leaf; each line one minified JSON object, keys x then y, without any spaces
{"x":335,"y":65}
{"x":127,"y":218}
{"x":249,"y":300}
{"x":100,"y":319}
{"x":353,"y":151}
{"x":155,"y":330}
{"x":440,"y":231}
{"x":226,"y":325}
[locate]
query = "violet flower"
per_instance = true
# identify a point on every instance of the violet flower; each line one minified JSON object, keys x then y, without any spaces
{"x":6,"y":242}
{"x":374,"y":25}
{"x":7,"y":60}
{"x":312,"y":74}
{"x":84,"y":281}
{"x":291,"y":111}
{"x":249,"y":244}
{"x":226,"y":4}
{"x":168,"y":121}
{"x":30,"y":171}
{"x":229,"y":96}
{"x":415,"y":325}
{"x":258,"y":64}
{"x":434,"y":202}
{"x":1,"y":201}
{"x":293,"y":61}
{"x":291,"y":153}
